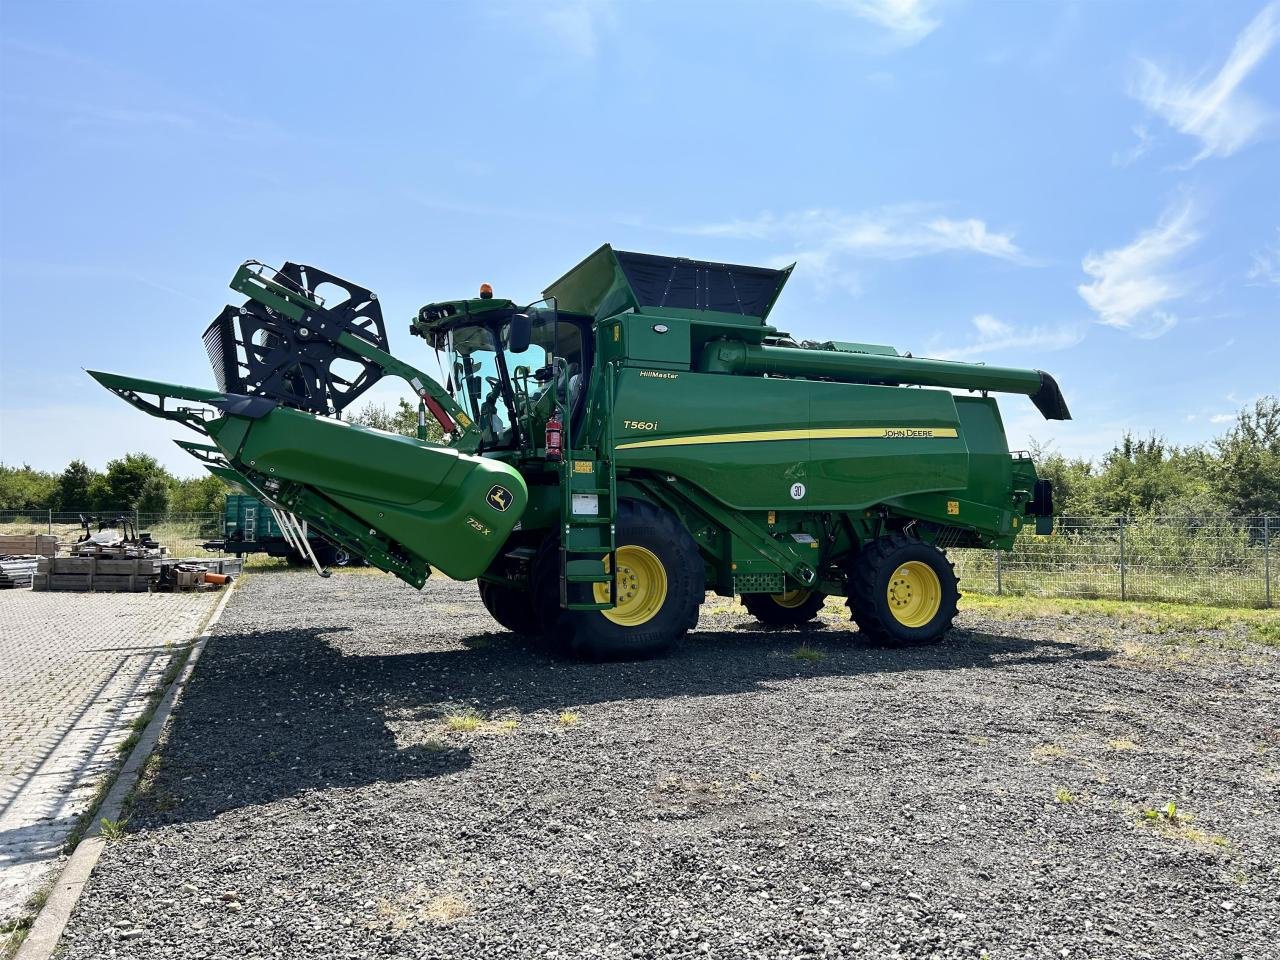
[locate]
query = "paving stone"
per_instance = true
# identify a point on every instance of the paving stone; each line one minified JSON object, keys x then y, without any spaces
{"x":75,"y":671}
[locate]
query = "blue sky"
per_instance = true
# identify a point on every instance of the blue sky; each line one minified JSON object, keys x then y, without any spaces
{"x":1093,"y":189}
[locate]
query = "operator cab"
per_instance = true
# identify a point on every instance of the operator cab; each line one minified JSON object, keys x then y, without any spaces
{"x":507,"y":365}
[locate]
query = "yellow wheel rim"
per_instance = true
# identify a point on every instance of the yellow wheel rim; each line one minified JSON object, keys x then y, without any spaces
{"x":914,"y":594}
{"x":642,"y":587}
{"x":791,"y":598}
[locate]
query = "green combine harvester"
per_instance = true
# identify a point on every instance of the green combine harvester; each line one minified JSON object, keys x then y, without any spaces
{"x":638,"y":437}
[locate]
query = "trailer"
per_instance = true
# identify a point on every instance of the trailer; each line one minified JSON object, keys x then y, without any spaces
{"x":250,"y":526}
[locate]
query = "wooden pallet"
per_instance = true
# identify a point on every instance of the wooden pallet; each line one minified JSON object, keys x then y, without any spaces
{"x":22,"y":544}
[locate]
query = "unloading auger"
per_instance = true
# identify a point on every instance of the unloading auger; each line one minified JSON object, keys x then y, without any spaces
{"x":638,"y":437}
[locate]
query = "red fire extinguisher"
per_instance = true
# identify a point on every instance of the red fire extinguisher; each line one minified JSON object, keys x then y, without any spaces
{"x":555,"y":437}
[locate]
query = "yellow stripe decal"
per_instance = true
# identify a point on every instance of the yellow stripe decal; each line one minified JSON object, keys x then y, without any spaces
{"x":835,"y":433}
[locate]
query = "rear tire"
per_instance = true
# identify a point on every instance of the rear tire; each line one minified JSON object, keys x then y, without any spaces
{"x":513,"y":609}
{"x":661,"y":585}
{"x":902,"y":591}
{"x":789,"y":609}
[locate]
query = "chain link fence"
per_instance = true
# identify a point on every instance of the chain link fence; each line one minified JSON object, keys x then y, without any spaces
{"x":182,"y":533}
{"x":1231,"y":561}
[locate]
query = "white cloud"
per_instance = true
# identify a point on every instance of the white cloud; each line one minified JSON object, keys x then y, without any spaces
{"x":578,"y":24}
{"x":995,"y":335}
{"x":1132,"y":284}
{"x":906,"y":21}
{"x":829,"y":242}
{"x":1222,"y":418}
{"x":1125,"y":157}
{"x":1266,"y":266}
{"x":1214,"y":110}
{"x":888,"y":233}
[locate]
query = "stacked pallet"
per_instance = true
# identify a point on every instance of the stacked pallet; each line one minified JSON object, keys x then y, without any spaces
{"x":105,"y":573}
{"x":123,"y":574}
{"x":17,"y":571}
{"x":28,"y":545}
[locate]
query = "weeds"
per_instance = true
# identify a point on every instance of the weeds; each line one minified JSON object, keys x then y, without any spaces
{"x":128,"y":743}
{"x":1176,"y":824}
{"x":113,"y":830}
{"x":1122,"y":743}
{"x":1063,"y":795}
{"x":568,"y":718}
{"x":807,"y":653}
{"x":462,"y":721}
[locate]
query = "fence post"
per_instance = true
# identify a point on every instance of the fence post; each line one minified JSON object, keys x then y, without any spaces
{"x":1122,"y":584}
{"x":999,"y":565}
{"x":1266,"y":556}
{"x":50,"y":528}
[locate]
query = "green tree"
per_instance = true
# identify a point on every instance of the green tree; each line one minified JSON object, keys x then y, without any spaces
{"x":402,"y":420}
{"x":197,"y":495}
{"x":154,"y":496}
{"x":1246,"y":471}
{"x":22,"y":488}
{"x":127,"y":480}
{"x":75,"y":487}
{"x":1144,"y":476}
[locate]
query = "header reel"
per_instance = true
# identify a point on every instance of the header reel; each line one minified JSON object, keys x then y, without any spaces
{"x":282,"y":344}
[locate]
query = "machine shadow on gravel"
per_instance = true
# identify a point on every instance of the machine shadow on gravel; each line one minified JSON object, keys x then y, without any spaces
{"x":272,"y":715}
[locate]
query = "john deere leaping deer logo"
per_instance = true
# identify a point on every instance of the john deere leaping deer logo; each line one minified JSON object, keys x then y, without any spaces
{"x":499,"y":497}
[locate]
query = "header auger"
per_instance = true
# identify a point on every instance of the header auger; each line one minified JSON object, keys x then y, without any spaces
{"x":638,"y":437}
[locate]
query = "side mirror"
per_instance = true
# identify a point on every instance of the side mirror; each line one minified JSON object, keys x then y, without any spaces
{"x":520,"y":333}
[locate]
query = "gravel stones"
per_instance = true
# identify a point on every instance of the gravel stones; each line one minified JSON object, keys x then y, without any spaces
{"x":728,"y":800}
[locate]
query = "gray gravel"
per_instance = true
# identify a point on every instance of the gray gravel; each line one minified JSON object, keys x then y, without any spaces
{"x":731,"y":800}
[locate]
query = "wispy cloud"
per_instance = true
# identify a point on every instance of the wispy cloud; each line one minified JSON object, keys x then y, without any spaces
{"x":992,"y":335}
{"x":906,"y":21}
{"x":1122,"y":158}
{"x":1265,"y":271}
{"x":1213,"y":109}
{"x":889,"y":233}
{"x":579,"y":25}
{"x":1132,"y":284}
{"x":829,"y":243}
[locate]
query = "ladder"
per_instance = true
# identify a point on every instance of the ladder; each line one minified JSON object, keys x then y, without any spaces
{"x":588,"y":506}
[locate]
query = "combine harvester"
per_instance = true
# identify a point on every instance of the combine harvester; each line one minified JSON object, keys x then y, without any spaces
{"x":614,"y":451}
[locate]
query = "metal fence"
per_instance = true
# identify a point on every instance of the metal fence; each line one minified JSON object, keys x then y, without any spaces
{"x":1231,"y":561}
{"x":1214,"y":560}
{"x":181,"y":532}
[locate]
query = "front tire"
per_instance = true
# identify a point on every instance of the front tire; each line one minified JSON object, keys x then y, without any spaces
{"x":513,"y":609}
{"x":902,"y":591}
{"x":661,"y":584}
{"x":789,"y":609}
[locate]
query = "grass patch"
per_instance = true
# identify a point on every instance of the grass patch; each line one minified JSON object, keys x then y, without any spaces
{"x":1063,"y":795}
{"x":128,"y":743}
{"x":568,"y":718}
{"x":462,"y":721}
{"x":1263,"y":626}
{"x":1122,"y":743}
{"x":113,"y":830}
{"x":807,"y":653}
{"x":505,"y":726}
{"x":1176,"y":824}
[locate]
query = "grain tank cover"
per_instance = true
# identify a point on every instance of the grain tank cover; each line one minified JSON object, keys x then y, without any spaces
{"x":611,"y":281}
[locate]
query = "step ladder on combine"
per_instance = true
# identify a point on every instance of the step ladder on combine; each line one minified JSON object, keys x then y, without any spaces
{"x":588,"y":510}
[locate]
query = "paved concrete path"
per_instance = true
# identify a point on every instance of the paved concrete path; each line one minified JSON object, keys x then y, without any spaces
{"x":75,"y":670}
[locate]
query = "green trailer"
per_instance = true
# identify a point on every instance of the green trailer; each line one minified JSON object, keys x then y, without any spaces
{"x":636,"y":438}
{"x":251,"y":526}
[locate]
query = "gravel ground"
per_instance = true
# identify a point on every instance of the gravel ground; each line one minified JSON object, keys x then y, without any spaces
{"x":320,"y":795}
